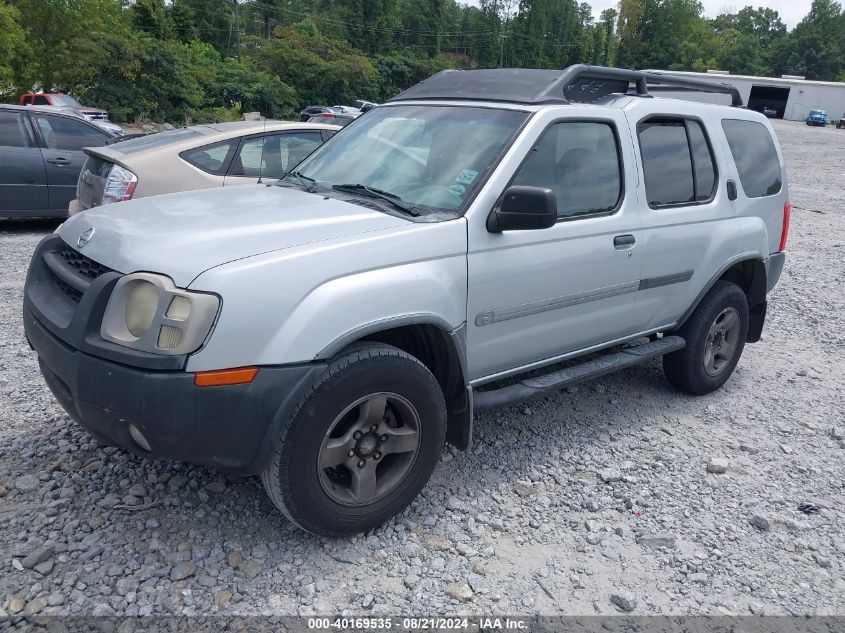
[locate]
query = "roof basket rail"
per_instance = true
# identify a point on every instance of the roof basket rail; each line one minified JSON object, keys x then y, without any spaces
{"x":582,"y":83}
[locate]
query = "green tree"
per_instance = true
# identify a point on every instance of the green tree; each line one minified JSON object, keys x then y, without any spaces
{"x":323,"y":69}
{"x":14,"y":52}
{"x":816,"y":47}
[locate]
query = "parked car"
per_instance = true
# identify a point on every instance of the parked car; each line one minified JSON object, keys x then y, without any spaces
{"x":41,"y":157}
{"x":363,"y":106}
{"x":841,"y":123}
{"x":442,"y":255}
{"x":196,"y":157}
{"x":64,"y":101}
{"x":770,"y":112}
{"x":310,"y":111}
{"x":335,"y":118}
{"x":817,"y":117}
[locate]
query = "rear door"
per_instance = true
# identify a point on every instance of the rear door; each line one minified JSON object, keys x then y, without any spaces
{"x":23,"y":179}
{"x":689,"y":224}
{"x":269,"y":156}
{"x":62,"y":140}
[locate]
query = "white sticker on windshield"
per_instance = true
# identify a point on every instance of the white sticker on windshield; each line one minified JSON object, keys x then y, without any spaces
{"x":466,"y":176}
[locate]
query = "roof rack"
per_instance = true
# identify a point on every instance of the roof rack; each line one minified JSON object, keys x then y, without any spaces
{"x":580,"y":83}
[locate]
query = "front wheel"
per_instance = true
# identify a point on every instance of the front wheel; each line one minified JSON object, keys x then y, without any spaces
{"x":715,"y":336}
{"x":362,"y":443}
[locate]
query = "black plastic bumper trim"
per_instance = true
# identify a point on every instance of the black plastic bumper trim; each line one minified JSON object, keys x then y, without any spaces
{"x":231,"y":427}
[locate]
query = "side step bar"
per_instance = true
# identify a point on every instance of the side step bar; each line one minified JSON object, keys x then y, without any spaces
{"x":539,"y":385}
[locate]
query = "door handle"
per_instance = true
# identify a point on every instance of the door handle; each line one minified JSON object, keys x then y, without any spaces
{"x":731,"y":190}
{"x":58,"y":161}
{"x":621,"y":242}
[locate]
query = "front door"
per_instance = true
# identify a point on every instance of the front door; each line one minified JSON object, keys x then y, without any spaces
{"x":538,"y":294}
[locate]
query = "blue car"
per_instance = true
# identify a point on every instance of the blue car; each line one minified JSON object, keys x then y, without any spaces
{"x":817,"y":117}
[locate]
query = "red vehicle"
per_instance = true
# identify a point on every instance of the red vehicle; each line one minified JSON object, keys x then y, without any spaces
{"x":64,"y":101}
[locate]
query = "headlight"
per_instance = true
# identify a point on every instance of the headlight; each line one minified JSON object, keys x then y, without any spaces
{"x":149,"y":313}
{"x":120,"y":185}
{"x":141,"y":308}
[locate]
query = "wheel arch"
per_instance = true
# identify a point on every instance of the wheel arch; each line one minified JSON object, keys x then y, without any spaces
{"x":441,"y":349}
{"x":749,"y":273}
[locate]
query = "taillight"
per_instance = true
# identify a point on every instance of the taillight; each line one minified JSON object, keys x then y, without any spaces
{"x":787,"y":211}
{"x":120,"y":185}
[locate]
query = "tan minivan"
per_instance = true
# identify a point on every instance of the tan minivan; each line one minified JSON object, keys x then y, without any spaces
{"x":196,"y":157}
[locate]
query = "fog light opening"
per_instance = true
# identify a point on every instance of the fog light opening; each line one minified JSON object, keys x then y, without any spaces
{"x":139,"y":438}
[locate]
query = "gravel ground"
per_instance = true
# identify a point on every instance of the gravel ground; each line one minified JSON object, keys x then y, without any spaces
{"x":619,"y":495}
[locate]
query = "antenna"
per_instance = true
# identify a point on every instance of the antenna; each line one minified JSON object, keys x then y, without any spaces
{"x":263,"y":142}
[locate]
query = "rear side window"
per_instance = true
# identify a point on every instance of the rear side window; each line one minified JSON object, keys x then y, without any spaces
{"x":213,"y":158}
{"x":67,"y":134}
{"x":271,"y":156}
{"x":755,"y":156}
{"x":677,"y":162}
{"x":579,"y":161}
{"x":12,"y":130}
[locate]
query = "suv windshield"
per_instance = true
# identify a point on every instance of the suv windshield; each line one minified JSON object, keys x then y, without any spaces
{"x":426,"y":156}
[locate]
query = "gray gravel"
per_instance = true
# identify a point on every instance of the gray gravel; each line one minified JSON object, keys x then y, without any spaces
{"x":620,"y":495}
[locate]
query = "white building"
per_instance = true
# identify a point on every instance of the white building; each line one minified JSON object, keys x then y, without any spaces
{"x":793,"y":97}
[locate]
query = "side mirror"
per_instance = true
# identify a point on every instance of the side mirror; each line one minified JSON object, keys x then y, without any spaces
{"x":522,"y":209}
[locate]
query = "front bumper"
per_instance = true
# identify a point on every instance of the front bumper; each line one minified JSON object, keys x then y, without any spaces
{"x":230,"y":427}
{"x":106,"y":387}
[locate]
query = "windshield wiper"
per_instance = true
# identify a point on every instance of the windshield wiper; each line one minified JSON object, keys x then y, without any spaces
{"x":305,"y":181}
{"x":392,"y":198}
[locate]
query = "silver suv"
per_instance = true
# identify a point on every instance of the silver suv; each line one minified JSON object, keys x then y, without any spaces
{"x":484,"y":237}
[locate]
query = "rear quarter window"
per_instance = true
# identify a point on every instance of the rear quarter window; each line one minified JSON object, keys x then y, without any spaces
{"x":213,"y":158}
{"x":756,"y":158}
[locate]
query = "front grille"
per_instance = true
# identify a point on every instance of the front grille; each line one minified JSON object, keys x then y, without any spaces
{"x":76,"y":273}
{"x":84,"y":266}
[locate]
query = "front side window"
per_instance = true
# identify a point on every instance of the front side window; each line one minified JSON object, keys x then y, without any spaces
{"x":68,"y":134}
{"x":13,"y":130}
{"x":756,"y":158}
{"x":213,"y":158}
{"x":677,"y":162}
{"x":271,"y":156}
{"x":431,"y":157}
{"x":579,"y":161}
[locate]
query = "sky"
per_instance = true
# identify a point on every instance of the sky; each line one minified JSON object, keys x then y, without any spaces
{"x":791,"y":11}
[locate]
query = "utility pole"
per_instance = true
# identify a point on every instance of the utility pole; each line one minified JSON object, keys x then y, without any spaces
{"x":502,"y":49}
{"x":237,"y":27}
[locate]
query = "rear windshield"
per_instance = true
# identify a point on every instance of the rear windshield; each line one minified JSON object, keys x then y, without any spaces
{"x":65,"y":100}
{"x":151,"y":141}
{"x":755,"y":156}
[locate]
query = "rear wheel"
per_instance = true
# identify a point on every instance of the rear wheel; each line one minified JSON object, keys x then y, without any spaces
{"x":362,"y":444}
{"x":715,"y":336}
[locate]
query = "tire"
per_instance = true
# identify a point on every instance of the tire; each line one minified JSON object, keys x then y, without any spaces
{"x":692,"y":369}
{"x":367,"y":382}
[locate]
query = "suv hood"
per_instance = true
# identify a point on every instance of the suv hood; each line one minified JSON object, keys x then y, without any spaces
{"x":181,"y":235}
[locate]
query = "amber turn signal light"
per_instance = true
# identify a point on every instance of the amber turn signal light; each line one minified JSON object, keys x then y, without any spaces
{"x":221,"y":377}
